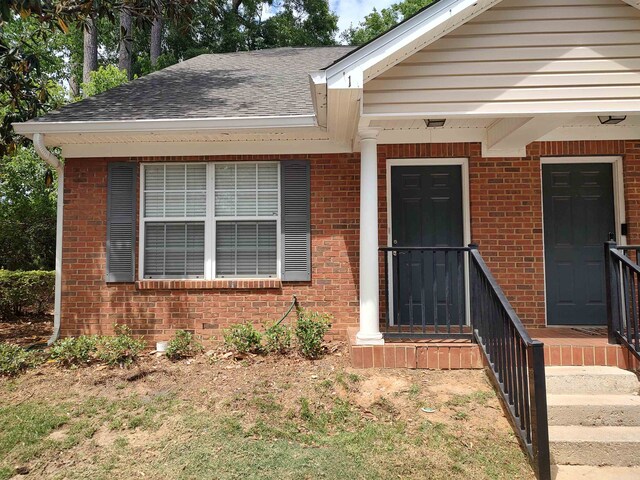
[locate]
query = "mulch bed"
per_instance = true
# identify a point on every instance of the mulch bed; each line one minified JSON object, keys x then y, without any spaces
{"x":27,"y":330}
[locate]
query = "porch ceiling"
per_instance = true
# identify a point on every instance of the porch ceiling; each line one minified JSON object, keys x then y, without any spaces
{"x":506,"y":136}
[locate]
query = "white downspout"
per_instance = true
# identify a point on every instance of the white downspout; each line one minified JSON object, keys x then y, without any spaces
{"x":52,"y":160}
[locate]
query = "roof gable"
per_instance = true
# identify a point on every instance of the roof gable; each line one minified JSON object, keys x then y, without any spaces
{"x":409,"y":37}
{"x":521,"y":57}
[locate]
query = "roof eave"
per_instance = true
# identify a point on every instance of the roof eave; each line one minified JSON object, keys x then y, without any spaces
{"x":158,"y":125}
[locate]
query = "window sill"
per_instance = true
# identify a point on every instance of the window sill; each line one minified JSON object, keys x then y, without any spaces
{"x":219,"y":284}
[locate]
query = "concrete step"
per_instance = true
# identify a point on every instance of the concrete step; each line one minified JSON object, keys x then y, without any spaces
{"x":590,"y":380}
{"x":594,"y":410}
{"x":579,"y":472}
{"x":596,"y":446}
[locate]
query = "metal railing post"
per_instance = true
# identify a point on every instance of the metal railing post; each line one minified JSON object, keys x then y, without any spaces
{"x":473,"y":290}
{"x":539,"y":422}
{"x":613,"y":310}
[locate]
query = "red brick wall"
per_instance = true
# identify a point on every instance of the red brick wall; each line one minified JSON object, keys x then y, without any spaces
{"x":506,"y":208}
{"x":506,"y":221}
{"x":91,"y":306}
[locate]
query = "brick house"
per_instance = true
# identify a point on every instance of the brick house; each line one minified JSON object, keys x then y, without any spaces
{"x":213,"y":191}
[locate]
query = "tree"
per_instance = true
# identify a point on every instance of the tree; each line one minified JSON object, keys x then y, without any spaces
{"x":376,"y":23}
{"x":90,"y":48}
{"x":24,"y":86}
{"x":301,"y":23}
{"x":155,"y":47}
{"x":230,"y":26}
{"x":124,"y":60}
{"x":27,"y":213}
{"x":103,"y":79}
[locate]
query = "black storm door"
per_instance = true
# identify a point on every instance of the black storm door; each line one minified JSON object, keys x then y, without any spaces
{"x":426,"y":211}
{"x":578,"y":217}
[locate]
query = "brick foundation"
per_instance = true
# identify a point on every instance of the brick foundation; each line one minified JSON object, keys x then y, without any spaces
{"x":506,"y":222}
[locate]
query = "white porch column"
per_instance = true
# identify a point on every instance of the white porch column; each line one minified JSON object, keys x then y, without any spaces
{"x":369,"y":333}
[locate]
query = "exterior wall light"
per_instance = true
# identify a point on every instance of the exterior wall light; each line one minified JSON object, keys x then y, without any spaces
{"x":612,"y":119}
{"x":435,"y":122}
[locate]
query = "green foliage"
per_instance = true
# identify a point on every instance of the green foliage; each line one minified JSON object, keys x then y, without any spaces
{"x":277,"y":339}
{"x":27,"y":213}
{"x":21,"y":291}
{"x":121,"y":349}
{"x":300,"y":23}
{"x":243,"y":338}
{"x":103,"y":79}
{"x":376,"y":23}
{"x":75,"y":351}
{"x":183,"y":345}
{"x":15,"y":359}
{"x":310,"y":330}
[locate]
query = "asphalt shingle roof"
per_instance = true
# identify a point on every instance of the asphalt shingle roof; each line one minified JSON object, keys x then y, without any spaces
{"x":242,"y":84}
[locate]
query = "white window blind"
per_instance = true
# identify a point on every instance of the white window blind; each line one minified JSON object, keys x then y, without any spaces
{"x":238,"y":238}
{"x":246,"y":249}
{"x":174,"y":250}
{"x":174,"y":206}
{"x":246,"y":212}
{"x":175,"y":191}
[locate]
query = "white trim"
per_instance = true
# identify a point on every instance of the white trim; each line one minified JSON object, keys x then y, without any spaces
{"x":618,"y":205}
{"x":166,"y":124}
{"x":466,"y":210}
{"x":382,"y":53}
{"x":209,"y":221}
{"x":182,"y":149}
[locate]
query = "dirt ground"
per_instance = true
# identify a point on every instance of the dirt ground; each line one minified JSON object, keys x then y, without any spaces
{"x":181,"y":420}
{"x":27,"y":330}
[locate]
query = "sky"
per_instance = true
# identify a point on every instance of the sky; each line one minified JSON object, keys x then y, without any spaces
{"x":354,"y":11}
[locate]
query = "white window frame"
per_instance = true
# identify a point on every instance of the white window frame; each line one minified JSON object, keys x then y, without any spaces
{"x":209,"y":223}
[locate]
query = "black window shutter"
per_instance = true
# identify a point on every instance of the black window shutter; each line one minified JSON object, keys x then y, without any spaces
{"x":296,"y":220}
{"x":121,"y":221}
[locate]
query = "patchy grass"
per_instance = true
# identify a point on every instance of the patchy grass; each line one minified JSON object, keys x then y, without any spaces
{"x":275,"y":418}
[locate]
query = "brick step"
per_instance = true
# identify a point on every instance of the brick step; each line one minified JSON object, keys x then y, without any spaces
{"x":595,"y":446}
{"x":433,"y":356}
{"x":581,"y":472}
{"x":594,"y":410}
{"x":590,"y":380}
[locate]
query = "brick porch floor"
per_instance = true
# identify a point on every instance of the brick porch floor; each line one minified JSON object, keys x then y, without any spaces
{"x":582,"y":346}
{"x":563,"y":347}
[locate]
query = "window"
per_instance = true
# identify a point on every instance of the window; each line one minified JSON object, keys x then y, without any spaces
{"x":236,"y":236}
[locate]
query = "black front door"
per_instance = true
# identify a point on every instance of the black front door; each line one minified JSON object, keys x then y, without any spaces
{"x":426,"y":211}
{"x":578,"y":217}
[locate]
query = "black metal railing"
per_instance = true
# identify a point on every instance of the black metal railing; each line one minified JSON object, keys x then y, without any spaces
{"x":515,"y":361}
{"x":425,"y":292}
{"x":623,"y":295}
{"x":427,"y":297}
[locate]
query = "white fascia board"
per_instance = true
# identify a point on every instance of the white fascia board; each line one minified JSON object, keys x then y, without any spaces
{"x":411,"y":35}
{"x":170,"y":149}
{"x":174,"y":125}
{"x":318,"y":84}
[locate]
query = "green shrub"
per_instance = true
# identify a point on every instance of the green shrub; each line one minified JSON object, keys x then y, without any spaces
{"x":243,"y":338}
{"x":121,"y":349}
{"x":311,"y":328}
{"x":183,"y":345}
{"x":277,"y":339}
{"x":22,"y":291}
{"x":75,"y":350}
{"x":15,"y":359}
